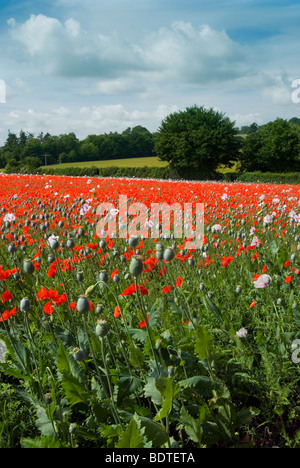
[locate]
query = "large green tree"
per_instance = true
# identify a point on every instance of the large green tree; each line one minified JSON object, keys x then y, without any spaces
{"x":275,"y":147}
{"x":196,"y":141}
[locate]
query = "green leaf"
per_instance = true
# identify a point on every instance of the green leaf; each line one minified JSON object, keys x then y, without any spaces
{"x":19,"y":353}
{"x":43,"y":422}
{"x":137,"y":357}
{"x":132,"y":437}
{"x":152,"y":392}
{"x":274,"y":249}
{"x":138,"y":334}
{"x":203,"y":385}
{"x":154,"y":314}
{"x":245,"y":416}
{"x":42,"y":442}
{"x":169,"y":390}
{"x":153,"y":432}
{"x":14,"y":372}
{"x":128,"y":385}
{"x":191,"y":426}
{"x":212,"y":306}
{"x":74,"y":390}
{"x":203,"y":346}
{"x":67,"y":365}
{"x":175,"y":308}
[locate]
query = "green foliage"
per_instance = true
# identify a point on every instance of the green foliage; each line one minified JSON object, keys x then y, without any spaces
{"x":274,"y":147}
{"x":196,"y":141}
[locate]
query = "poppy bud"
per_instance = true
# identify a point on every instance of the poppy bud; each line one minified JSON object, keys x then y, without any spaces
{"x":158,"y":343}
{"x":101,"y":328}
{"x":90,"y":290}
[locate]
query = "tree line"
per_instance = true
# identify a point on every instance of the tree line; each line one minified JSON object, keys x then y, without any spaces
{"x":46,"y":149}
{"x":194,"y":142}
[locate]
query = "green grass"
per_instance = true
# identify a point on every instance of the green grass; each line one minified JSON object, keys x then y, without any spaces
{"x":131,"y":162}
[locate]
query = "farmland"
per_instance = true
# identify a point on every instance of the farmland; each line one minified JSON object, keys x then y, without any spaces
{"x":128,"y":162}
{"x":142,"y":341}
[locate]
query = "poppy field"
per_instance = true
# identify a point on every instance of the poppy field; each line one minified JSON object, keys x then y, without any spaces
{"x":141,"y":342}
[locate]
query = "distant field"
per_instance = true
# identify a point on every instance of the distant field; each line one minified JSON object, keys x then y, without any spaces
{"x":132,"y":162}
{"x":224,"y":170}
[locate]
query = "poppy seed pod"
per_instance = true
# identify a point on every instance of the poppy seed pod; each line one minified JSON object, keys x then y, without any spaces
{"x":78,"y":354}
{"x":101,"y":328}
{"x":70,"y":244}
{"x":159,"y":254}
{"x":11,"y":248}
{"x":102,"y":244}
{"x":132,"y":241}
{"x":53,"y":243}
{"x":169,"y":254}
{"x":28,"y":267}
{"x":83,"y":305}
{"x":51,"y":258}
{"x":99,"y":309}
{"x":25,"y":305}
{"x":79,"y":276}
{"x":48,"y":398}
{"x":103,"y":276}
{"x":136,"y":266}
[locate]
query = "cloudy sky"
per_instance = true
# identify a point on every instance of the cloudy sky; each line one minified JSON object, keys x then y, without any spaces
{"x":96,"y":66}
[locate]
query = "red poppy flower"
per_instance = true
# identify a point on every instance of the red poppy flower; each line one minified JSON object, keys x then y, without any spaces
{"x":131,"y":290}
{"x":114,"y":273}
{"x":143,"y":323}
{"x":7,"y":296}
{"x":117,"y":312}
{"x":49,"y":308}
{"x":179,"y":282}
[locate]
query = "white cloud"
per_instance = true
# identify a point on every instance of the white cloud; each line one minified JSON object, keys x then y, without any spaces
{"x":182,"y":52}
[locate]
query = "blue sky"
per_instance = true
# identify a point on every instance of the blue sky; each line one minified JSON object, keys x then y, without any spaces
{"x":104,"y":65}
